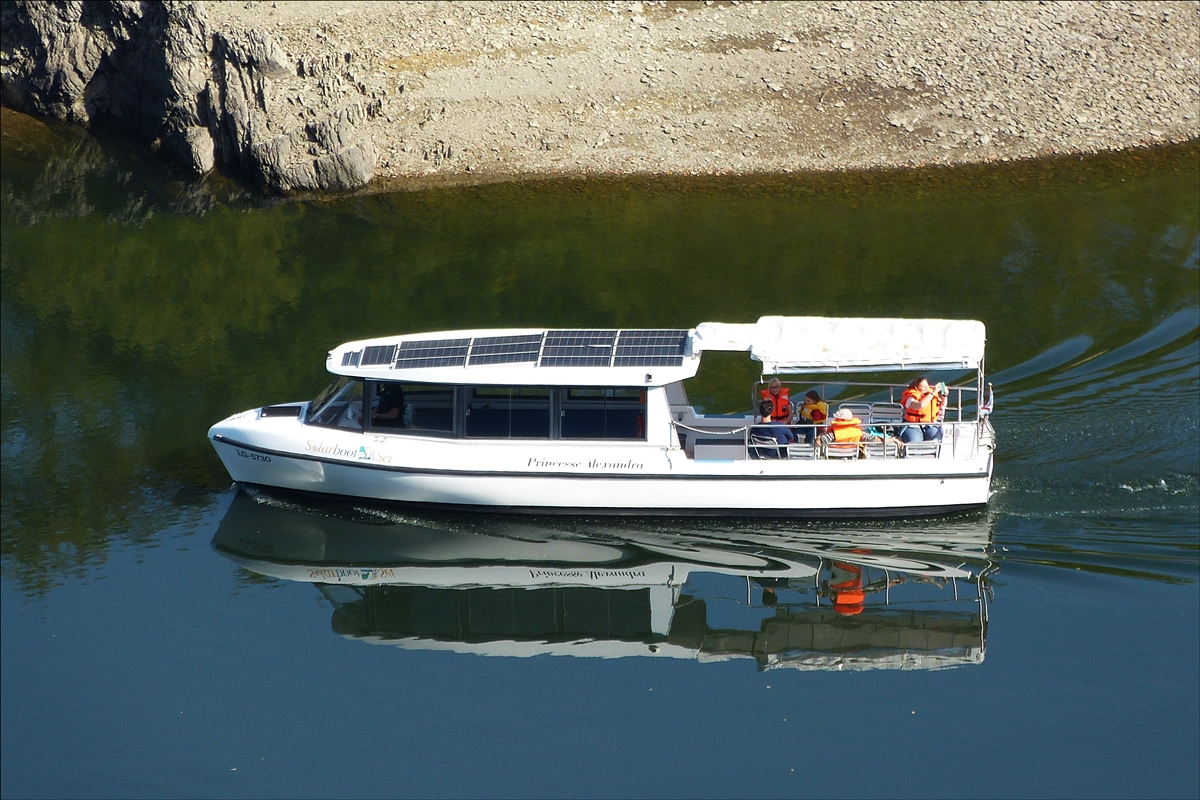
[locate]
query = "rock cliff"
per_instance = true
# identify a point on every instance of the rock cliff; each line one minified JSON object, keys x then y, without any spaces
{"x":162,"y":71}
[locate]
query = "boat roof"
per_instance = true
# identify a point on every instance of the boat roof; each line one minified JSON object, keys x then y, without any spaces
{"x":523,"y":357}
{"x":658,"y":356}
{"x":849,"y":344}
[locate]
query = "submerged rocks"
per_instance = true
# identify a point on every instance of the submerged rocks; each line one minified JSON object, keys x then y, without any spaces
{"x":199,"y":95}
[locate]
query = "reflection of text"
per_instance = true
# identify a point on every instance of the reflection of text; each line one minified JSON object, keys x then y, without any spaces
{"x":350,"y":573}
{"x":587,"y":574}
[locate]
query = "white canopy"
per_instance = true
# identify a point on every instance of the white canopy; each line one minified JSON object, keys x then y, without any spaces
{"x":849,"y":344}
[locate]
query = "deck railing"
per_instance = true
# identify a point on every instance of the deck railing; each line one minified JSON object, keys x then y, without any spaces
{"x":878,"y":408}
{"x":959,"y":440}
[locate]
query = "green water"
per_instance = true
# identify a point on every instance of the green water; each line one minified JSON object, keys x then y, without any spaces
{"x":139,"y":308}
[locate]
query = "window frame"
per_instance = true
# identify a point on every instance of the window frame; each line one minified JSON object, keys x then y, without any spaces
{"x":468,"y":397}
{"x":560,"y":402}
{"x":330,"y":395}
{"x":455,"y":430}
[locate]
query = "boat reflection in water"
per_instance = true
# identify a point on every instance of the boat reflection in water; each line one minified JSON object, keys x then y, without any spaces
{"x":830,"y":597}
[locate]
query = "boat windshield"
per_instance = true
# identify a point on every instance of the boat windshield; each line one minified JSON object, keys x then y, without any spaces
{"x":326,"y":396}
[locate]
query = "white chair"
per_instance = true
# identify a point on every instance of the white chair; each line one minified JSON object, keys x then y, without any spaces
{"x":887,"y":414}
{"x":802,"y":451}
{"x":883,"y":449}
{"x":922,"y":449}
{"x":763,"y":446}
{"x":841,"y":450}
{"x":860,"y":410}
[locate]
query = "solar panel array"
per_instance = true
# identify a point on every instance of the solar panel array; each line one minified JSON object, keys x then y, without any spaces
{"x":505,"y":349}
{"x":432,"y":353}
{"x":577,"y":349}
{"x":378,"y":354}
{"x":561,"y":348}
{"x":650,"y":348}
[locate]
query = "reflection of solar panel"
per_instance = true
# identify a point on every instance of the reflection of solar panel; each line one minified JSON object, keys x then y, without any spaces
{"x":505,"y":349}
{"x":432,"y":353}
{"x":650,"y":348}
{"x":378,"y":354}
{"x":577,"y":348}
{"x":351,"y":359}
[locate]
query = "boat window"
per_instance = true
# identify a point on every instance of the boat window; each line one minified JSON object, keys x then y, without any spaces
{"x":502,"y":412}
{"x":342,"y":409}
{"x":386,"y":401}
{"x":417,"y":408}
{"x":604,"y":413}
{"x":326,"y":393}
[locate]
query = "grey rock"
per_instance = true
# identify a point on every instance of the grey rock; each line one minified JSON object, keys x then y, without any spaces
{"x":347,"y":169}
{"x":159,"y":70}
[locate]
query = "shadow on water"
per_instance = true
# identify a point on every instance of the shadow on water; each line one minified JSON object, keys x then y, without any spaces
{"x":138,"y":309}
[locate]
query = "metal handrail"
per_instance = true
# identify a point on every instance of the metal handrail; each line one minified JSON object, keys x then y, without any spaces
{"x":891,"y":387}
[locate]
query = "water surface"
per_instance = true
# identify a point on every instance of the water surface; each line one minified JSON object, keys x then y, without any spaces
{"x":143,"y":654}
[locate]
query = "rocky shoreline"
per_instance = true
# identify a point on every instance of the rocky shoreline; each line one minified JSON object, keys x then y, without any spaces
{"x":344,"y":95}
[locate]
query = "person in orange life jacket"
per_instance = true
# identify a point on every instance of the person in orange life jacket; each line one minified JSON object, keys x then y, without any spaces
{"x":923,"y":406}
{"x":847,"y":428}
{"x":814,"y":411}
{"x":846,"y":589}
{"x":777,"y":395}
{"x":777,"y":430}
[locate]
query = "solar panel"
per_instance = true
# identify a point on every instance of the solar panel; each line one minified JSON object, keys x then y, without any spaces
{"x":351,"y":359}
{"x":378,"y":354}
{"x":577,"y":348}
{"x":432,"y":353}
{"x":505,"y":349}
{"x":650,"y":348}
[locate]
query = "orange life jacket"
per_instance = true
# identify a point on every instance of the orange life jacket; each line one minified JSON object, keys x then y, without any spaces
{"x":781,"y":408}
{"x":848,"y":596}
{"x":847,"y":430}
{"x":925,"y":413}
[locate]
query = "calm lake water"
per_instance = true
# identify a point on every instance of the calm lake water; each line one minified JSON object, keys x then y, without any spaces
{"x":167,"y":635}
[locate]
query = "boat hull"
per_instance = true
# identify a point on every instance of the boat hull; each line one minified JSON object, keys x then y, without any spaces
{"x":630,"y":481}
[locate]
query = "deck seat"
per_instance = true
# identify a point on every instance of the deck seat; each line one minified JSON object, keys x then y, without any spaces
{"x":860,"y":410}
{"x":887,"y":414}
{"x":922,"y":449}
{"x":841,"y":450}
{"x":762,"y":446}
{"x":802,"y":451}
{"x":886,"y":449}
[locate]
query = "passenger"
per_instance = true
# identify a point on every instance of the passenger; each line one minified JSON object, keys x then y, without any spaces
{"x":777,"y":395}
{"x":847,"y":428}
{"x":769,"y":585}
{"x":389,"y":411}
{"x":846,"y":587}
{"x":923,"y":406}
{"x":779,"y":431}
{"x":813,"y":412}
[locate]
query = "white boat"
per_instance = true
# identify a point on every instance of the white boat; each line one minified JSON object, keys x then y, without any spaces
{"x":598,"y":422}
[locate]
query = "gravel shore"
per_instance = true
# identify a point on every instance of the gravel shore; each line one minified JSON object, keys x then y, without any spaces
{"x":485,"y":91}
{"x":320,"y":96}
